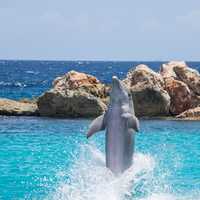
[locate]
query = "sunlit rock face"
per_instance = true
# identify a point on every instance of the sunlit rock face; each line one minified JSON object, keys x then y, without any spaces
{"x":167,"y":69}
{"x":150,"y":99}
{"x":73,"y":95}
{"x":143,"y":74}
{"x":189,"y":76}
{"x":12,"y":107}
{"x":180,"y":95}
{"x":183,"y":85}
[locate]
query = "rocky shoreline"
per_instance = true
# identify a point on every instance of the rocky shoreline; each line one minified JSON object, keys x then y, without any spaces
{"x":18,"y":108}
{"x":171,"y":93}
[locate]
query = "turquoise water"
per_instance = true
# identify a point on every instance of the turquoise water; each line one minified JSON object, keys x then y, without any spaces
{"x":50,"y":159}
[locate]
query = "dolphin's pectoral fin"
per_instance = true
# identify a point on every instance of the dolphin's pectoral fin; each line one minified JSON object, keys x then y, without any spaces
{"x":133,"y":123}
{"x":97,"y":124}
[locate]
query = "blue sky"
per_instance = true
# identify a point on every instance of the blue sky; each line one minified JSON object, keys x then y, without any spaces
{"x":100,"y":30}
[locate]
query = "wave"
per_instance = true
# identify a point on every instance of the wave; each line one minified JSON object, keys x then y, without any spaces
{"x":32,"y":72}
{"x":16,"y":84}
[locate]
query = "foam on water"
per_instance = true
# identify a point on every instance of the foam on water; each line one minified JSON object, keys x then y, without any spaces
{"x":32,"y":72}
{"x":89,"y":179}
{"x":15,"y":84}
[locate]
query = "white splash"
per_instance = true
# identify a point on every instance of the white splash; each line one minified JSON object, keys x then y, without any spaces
{"x":91,"y":180}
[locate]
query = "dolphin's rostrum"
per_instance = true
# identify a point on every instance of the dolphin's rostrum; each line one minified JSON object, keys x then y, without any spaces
{"x":120,"y":123}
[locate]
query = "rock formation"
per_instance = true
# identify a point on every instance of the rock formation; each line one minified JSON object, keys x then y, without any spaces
{"x":150,"y":99}
{"x":167,"y":69}
{"x":180,"y":95}
{"x":182,"y":83}
{"x":16,"y":108}
{"x":73,"y":95}
{"x":189,"y":76}
{"x":175,"y":91}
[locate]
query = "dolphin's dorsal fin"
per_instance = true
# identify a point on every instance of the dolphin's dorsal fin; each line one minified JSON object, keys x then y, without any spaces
{"x":97,"y":124}
{"x":133,"y":123}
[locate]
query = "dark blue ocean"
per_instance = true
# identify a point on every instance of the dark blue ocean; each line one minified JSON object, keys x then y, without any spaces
{"x":19,"y":79}
{"x":51,"y":159}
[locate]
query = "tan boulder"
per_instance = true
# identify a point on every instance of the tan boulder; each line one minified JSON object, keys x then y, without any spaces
{"x":189,"y":76}
{"x":150,"y":100}
{"x":142,"y":73}
{"x":79,"y":81}
{"x":183,"y":85}
{"x":180,"y":95}
{"x":73,"y":95}
{"x":167,"y":69}
{"x":12,"y":107}
{"x":146,"y":86}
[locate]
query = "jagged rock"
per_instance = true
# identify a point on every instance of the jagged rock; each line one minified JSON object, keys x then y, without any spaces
{"x":73,"y":95}
{"x":189,"y":76}
{"x":79,"y":81}
{"x":150,"y":99}
{"x":12,"y":107}
{"x":142,"y":73}
{"x":167,"y":69}
{"x":180,"y":95}
{"x":183,"y":85}
{"x":191,"y":114}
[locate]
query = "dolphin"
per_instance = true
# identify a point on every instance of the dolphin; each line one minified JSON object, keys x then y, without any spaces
{"x":120,"y":124}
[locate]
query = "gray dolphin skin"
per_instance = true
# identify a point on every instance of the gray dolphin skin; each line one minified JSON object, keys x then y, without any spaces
{"x":120,"y":123}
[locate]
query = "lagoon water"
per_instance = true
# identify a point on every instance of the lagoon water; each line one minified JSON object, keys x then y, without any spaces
{"x":51,"y":159}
